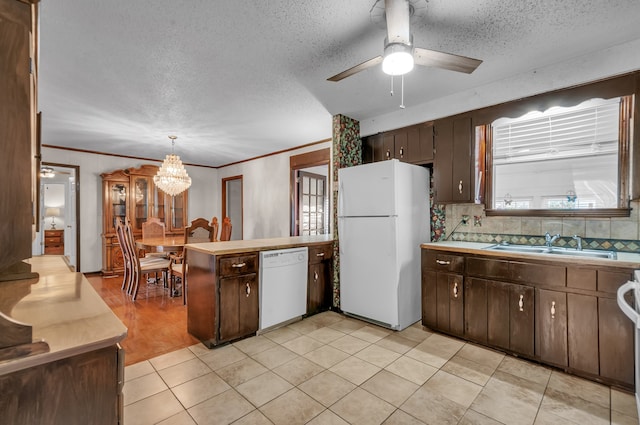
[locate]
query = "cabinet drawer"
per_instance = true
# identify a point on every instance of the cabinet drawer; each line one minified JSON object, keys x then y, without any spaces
{"x":542,"y":274}
{"x":54,"y":250}
{"x":52,"y":240}
{"x":319,"y":253}
{"x":239,"y":264}
{"x":435,"y":260}
{"x":485,"y":267}
{"x":611,"y":281}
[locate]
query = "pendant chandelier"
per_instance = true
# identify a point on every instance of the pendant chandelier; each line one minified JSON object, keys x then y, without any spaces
{"x":172,"y":178}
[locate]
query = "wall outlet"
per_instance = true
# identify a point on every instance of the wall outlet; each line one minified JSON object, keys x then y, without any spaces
{"x":465,"y":220}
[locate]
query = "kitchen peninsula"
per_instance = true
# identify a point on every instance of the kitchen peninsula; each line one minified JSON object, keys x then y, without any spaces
{"x":560,"y":310}
{"x":222,"y":284}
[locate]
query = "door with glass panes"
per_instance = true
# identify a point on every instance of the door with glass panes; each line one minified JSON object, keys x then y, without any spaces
{"x":313,"y":203}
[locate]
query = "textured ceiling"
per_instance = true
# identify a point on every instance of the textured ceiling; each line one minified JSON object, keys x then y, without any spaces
{"x":238,"y":79}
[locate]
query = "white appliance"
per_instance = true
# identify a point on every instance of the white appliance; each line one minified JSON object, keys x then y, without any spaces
{"x":283,"y":285}
{"x":383,"y":217}
{"x":633,"y":313}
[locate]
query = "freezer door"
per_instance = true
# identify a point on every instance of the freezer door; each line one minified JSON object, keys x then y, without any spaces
{"x":369,"y":268}
{"x":367,"y":190}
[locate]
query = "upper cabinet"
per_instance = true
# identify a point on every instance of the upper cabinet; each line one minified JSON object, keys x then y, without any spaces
{"x":18,"y":133}
{"x":131,"y":193}
{"x":412,"y":144}
{"x":454,"y":160}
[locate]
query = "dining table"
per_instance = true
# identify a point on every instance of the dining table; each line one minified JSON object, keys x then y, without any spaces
{"x":161,"y":244}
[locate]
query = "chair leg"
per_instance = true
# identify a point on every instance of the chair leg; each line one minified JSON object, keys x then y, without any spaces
{"x":184,"y":289}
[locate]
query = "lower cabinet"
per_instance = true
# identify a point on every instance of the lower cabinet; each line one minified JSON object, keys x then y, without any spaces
{"x":319,"y":282}
{"x":565,"y":316}
{"x":239,"y":307}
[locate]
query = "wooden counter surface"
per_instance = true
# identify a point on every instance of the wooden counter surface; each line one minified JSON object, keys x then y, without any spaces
{"x":235,"y":247}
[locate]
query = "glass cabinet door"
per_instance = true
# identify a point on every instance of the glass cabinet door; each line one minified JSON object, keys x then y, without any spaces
{"x":141,"y":201}
{"x":117,"y":208}
{"x":158,"y":206}
{"x":178,"y":211}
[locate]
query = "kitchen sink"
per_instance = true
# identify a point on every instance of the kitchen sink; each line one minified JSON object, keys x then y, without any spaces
{"x":541,"y":249}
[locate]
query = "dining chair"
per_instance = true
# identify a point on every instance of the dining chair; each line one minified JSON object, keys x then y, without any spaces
{"x":143,"y":266}
{"x":225,"y":232}
{"x":154,"y":228}
{"x":128,"y":271}
{"x":198,"y":231}
{"x":216,"y":226}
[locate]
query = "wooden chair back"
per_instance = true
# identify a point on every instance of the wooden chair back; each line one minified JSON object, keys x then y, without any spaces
{"x":225,"y":233}
{"x":126,"y":256}
{"x":152,"y":228}
{"x":216,"y":226}
{"x":199,"y":231}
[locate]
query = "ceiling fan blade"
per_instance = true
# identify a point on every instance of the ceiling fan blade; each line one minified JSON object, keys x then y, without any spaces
{"x":361,"y":67}
{"x":398,"y":17}
{"x":448,"y":61}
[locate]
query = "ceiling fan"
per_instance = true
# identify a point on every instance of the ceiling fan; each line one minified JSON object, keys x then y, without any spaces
{"x":399,"y":52}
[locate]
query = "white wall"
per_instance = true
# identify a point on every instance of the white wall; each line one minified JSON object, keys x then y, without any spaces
{"x":204,"y":197}
{"x":265,"y":185}
{"x":576,"y":70}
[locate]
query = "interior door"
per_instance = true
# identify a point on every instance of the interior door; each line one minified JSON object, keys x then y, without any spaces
{"x":313,"y":204}
{"x":232,"y":204}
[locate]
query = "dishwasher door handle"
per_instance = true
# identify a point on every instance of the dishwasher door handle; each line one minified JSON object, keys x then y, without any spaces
{"x":630,"y":312}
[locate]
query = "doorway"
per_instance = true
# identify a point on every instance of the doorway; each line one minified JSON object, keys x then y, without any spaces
{"x":310,"y":194}
{"x":59,"y":201}
{"x":232,"y":204}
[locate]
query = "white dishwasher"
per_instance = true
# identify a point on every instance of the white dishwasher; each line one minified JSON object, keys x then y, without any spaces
{"x":283,"y":285}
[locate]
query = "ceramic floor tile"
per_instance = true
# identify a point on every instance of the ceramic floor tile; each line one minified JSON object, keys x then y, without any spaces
{"x":397,"y":343}
{"x":137,"y":370}
{"x":362,"y":407}
{"x":547,"y":418}
{"x":624,"y":402}
{"x":325,"y":335}
{"x":281,"y":335}
{"x":326,"y":356}
{"x":292,"y":408}
{"x":472,"y":417}
{"x":525,"y":370}
{"x":452,"y":387}
{"x":200,"y":389}
{"x":142,"y":387}
{"x":239,"y":372}
{"x":327,"y":387}
{"x":433,"y":409}
{"x":348,"y":325}
{"x":327,"y":418}
{"x":263,"y":388}
{"x":254,"y":345}
{"x":349,"y":344}
{"x":579,"y":387}
{"x":304,"y":327}
{"x":481,"y":355}
{"x":412,"y":370}
{"x":298,"y":370}
{"x":302,"y":344}
{"x":274,"y":357}
{"x":223,"y":356}
{"x":199,"y":349}
{"x":574,"y":408}
{"x":469,"y":370}
{"x":326,"y":318}
{"x":371,"y":333}
{"x":182,"y":418}
{"x":221,"y":409}
{"x":415,"y":333}
{"x":402,"y":418}
{"x":377,"y":355}
{"x":390,"y":387}
{"x":183,"y":372}
{"x":436,"y":350}
{"x":152,"y":410}
{"x":618,"y":418}
{"x":254,"y":418}
{"x":172,"y":358}
{"x":355,"y":370}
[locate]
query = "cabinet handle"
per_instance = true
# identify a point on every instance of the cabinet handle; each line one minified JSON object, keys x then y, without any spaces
{"x":443,"y":262}
{"x":401,"y":152}
{"x":320,"y":254}
{"x":238,"y":265}
{"x":455,"y":290}
{"x":553,"y":309}
{"x":248,"y":290}
{"x":315,"y":275}
{"x":388,"y":154}
{"x":521,"y":303}
{"x":460,"y":187}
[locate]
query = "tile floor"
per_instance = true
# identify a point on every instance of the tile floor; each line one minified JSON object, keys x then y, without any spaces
{"x":330,"y":369}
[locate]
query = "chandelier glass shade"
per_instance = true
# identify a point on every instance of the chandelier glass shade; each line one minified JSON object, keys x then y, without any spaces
{"x":172,"y":178}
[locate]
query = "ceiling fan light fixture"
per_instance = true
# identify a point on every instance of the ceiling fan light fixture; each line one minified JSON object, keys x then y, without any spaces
{"x":398,"y":59}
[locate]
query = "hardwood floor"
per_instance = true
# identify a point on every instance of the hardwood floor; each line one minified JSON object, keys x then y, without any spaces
{"x":157,"y":323}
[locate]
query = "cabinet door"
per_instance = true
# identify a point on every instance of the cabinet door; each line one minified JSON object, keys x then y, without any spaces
{"x":419,"y":142}
{"x":475,"y":310}
{"x":141,"y":196}
{"x":429,"y":298}
{"x":401,"y":147}
{"x":443,"y":161}
{"x":316,"y":287}
{"x":498,"y":314}
{"x":248,"y":306}
{"x":582,"y":332}
{"x":372,"y":148}
{"x":178,"y":212}
{"x":388,"y":146}
{"x":450,"y":303}
{"x":521,"y":319}
{"x":462,"y":160}
{"x":616,"y":334}
{"x":238,"y":307}
{"x":551,"y":326}
{"x":117,"y":208}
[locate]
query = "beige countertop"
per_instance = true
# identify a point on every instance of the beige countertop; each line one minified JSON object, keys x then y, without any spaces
{"x":64,"y":311}
{"x":625,"y":259}
{"x":235,"y":247}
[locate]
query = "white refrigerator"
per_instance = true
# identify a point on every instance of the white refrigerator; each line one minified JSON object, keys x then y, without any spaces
{"x":383,"y":217}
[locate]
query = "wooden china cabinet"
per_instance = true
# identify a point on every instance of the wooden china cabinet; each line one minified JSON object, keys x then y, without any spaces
{"x":131,"y":193}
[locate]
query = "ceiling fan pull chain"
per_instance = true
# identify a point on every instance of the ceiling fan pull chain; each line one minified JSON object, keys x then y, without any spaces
{"x":402,"y":92}
{"x":392,"y":85}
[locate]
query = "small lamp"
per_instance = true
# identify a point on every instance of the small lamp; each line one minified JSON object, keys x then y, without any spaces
{"x":52,"y":212}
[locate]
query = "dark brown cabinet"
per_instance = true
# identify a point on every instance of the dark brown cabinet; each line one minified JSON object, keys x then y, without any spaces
{"x":319,"y":283}
{"x":54,"y":242}
{"x":565,"y":316}
{"x":454,"y":160}
{"x":238,"y":307}
{"x":412,"y":144}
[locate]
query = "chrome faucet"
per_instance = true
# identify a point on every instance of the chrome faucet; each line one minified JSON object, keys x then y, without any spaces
{"x":578,"y":240}
{"x":549,"y":240}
